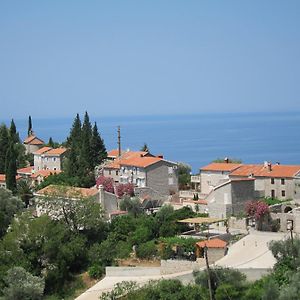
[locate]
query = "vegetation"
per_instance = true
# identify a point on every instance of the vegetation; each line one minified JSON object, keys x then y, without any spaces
{"x":184,"y":175}
{"x":9,"y":206}
{"x":229,"y":160}
{"x":86,"y":151}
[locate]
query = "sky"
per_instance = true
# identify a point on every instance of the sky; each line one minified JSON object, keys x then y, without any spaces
{"x":126,"y":57}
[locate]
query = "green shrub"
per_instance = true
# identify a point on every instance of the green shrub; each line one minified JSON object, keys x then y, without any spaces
{"x":96,"y":271}
{"x":146,"y":250}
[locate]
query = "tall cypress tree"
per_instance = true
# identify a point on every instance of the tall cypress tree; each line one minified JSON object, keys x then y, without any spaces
{"x":11,"y":168}
{"x":87,"y":176}
{"x":29,"y":132}
{"x":98,"y":149}
{"x":4,"y":144}
{"x":14,"y":135}
{"x":74,"y":145}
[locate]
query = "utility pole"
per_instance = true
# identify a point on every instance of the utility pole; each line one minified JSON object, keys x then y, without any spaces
{"x":208,"y":273}
{"x":119,"y":141}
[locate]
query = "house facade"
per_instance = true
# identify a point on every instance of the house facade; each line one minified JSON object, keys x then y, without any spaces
{"x":145,"y":171}
{"x":213,"y":174}
{"x":275,"y":181}
{"x":48,"y":158}
{"x":230,"y":197}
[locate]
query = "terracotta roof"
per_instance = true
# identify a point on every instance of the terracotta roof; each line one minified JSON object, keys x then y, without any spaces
{"x":33,"y":140}
{"x":114,"y":153}
{"x":67,"y":191}
{"x":226,"y":167}
{"x":56,"y":151}
{"x":279,"y":171}
{"x":2,"y":177}
{"x":27,"y":170}
{"x":116,"y":164}
{"x":214,"y":243}
{"x":141,"y":162}
{"x":44,"y":173}
{"x":42,"y":150}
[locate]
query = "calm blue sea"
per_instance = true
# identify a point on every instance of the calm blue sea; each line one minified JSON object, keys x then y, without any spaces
{"x":194,"y":139}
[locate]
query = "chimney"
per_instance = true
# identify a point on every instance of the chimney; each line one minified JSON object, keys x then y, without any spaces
{"x":226,"y":159}
{"x":266,"y":164}
{"x":160,"y":156}
{"x":269,"y":167}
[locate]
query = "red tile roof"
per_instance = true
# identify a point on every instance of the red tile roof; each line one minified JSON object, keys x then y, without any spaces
{"x":214,"y":243}
{"x":44,"y":173}
{"x":42,"y":150}
{"x":3,"y":177}
{"x":114,"y":153}
{"x":141,"y":162}
{"x":33,"y":140}
{"x":226,"y":167}
{"x":67,"y":191}
{"x":27,"y":170}
{"x":279,"y":171}
{"x":56,"y":151}
{"x":116,"y":164}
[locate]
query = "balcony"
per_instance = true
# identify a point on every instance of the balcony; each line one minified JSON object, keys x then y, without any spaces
{"x":195,"y":179}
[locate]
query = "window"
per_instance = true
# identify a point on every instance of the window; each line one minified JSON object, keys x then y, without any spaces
{"x":282,"y":181}
{"x":171,"y":180}
{"x":272,"y":180}
{"x":272,"y":193}
{"x":117,"y":172}
{"x":283,"y":193}
{"x":54,"y":158}
{"x":170,"y":170}
{"x":109,"y":172}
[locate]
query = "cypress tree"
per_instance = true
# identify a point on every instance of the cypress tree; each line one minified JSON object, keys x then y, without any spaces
{"x":51,"y":143}
{"x":75,"y":133}
{"x":74,"y":145}
{"x":29,"y":132}
{"x":11,"y":168}
{"x":4,"y":144}
{"x":97,"y":147}
{"x":14,"y":136}
{"x":85,"y":151}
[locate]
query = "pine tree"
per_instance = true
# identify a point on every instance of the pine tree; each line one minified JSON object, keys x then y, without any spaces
{"x":11,"y":168}
{"x":97,"y":147}
{"x":29,"y":133}
{"x":4,"y":144}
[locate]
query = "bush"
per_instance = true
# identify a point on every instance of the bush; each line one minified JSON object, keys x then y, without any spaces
{"x":147,"y":250}
{"x":96,"y":271}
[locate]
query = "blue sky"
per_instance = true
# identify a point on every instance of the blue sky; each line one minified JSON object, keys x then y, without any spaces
{"x":140,"y":57}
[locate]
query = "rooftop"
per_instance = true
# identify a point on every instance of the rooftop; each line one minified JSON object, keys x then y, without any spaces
{"x":67,"y":191}
{"x":226,"y":167}
{"x":27,"y":170}
{"x":116,"y":164}
{"x":33,"y":140}
{"x":42,"y":150}
{"x":44,"y":173}
{"x":285,"y":171}
{"x":213,"y":243}
{"x":56,"y":151}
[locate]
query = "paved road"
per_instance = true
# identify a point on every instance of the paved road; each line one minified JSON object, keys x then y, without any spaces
{"x":250,"y":252}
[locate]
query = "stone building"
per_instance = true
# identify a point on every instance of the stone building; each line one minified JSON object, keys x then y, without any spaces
{"x":32,"y":144}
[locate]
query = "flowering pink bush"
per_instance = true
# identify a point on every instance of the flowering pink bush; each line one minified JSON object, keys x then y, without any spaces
{"x":107,"y":182}
{"x":257,"y":209}
{"x":125,"y":189}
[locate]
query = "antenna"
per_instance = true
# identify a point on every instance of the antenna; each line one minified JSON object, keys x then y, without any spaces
{"x":119,"y":141}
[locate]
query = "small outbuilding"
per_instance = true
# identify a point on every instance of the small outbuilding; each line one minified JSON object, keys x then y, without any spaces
{"x":216,"y":249}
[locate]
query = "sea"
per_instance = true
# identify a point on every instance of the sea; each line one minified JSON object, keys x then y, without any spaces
{"x":193,"y":139}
